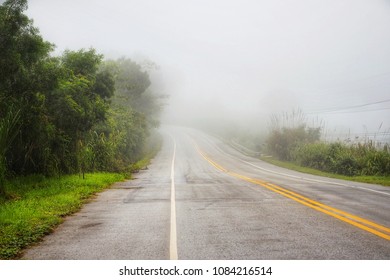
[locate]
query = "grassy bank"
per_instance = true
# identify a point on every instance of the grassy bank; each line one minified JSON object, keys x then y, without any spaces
{"x":37,"y":204}
{"x":380,"y":180}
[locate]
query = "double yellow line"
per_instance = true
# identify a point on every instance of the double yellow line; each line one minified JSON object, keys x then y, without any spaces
{"x":354,"y":220}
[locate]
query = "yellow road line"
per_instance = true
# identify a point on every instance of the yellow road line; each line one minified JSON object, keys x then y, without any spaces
{"x":351,"y":216}
{"x":354,"y":220}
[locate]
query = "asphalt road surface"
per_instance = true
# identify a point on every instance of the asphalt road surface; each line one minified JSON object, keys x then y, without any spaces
{"x":202,"y":199}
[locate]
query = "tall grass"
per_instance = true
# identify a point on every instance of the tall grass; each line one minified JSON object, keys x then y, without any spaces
{"x":380,"y":180}
{"x":334,"y":157}
{"x":339,"y":158}
{"x":290,"y":139}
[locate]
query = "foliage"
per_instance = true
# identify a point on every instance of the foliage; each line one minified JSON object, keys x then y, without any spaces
{"x":62,"y":115}
{"x":40,"y":203}
{"x":372,"y":179}
{"x":314,"y":155}
{"x":132,"y":89}
{"x":75,"y":113}
{"x":24,"y":67}
{"x":338,"y":158}
{"x":301,"y":145}
{"x":281,"y":142}
{"x":8,"y":131}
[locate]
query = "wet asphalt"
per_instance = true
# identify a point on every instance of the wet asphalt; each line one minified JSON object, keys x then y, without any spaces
{"x":219,"y":216}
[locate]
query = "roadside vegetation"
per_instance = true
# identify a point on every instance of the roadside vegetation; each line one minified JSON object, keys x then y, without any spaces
{"x":294,"y":144}
{"x":70,"y":125}
{"x":292,"y":140}
{"x":75,"y":113}
{"x":38,"y":204}
{"x":380,"y":180}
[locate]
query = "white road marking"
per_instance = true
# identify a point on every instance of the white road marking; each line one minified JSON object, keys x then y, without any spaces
{"x":173,"y":237}
{"x":312,"y":180}
{"x":299,"y":177}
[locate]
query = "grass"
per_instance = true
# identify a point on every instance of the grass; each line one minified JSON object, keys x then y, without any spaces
{"x":37,"y":204}
{"x":380,"y":180}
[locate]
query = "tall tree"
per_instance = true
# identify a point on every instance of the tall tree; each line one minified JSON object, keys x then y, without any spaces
{"x":66,"y":114}
{"x":132,"y":89}
{"x":8,"y":131}
{"x":79,"y":103}
{"x":23,"y":62}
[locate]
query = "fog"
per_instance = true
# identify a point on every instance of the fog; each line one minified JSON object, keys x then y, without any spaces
{"x":237,"y":62}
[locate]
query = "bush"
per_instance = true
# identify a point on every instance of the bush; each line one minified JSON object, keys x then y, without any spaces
{"x":345,"y":164}
{"x":282,"y":142}
{"x":338,"y":158}
{"x":314,"y":155}
{"x":376,"y":163}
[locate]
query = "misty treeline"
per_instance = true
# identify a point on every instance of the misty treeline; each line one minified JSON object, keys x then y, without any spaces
{"x":67,"y":114}
{"x":292,"y":139}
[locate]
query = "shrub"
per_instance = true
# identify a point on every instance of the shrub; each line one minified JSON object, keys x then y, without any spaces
{"x":314,"y":155}
{"x":281,"y":143}
{"x":362,"y":159}
{"x":344,"y":163}
{"x":376,"y":163}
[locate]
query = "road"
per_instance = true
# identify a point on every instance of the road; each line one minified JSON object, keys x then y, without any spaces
{"x":201,"y":199}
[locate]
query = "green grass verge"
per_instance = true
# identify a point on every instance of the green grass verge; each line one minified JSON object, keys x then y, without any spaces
{"x":38,"y":204}
{"x":380,"y":180}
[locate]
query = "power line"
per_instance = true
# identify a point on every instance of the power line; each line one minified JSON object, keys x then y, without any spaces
{"x":360,"y":111}
{"x":333,"y":110}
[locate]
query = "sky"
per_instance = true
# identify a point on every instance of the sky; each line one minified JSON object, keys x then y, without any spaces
{"x":240,"y":61}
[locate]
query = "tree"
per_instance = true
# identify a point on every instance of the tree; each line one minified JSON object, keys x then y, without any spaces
{"x":23,"y":68}
{"x":132,"y":89}
{"x":133,"y":112}
{"x":66,"y":114}
{"x":79,"y":103}
{"x":8,"y":131}
{"x":58,"y":99}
